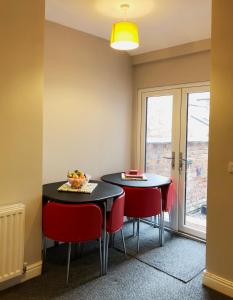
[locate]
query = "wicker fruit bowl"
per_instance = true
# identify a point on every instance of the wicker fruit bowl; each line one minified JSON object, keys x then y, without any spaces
{"x":77,"y":179}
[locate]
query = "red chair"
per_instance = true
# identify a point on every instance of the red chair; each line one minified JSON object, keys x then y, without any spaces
{"x":142,"y":203}
{"x":72,"y":223}
{"x":168,"y":195}
{"x":115,"y":221}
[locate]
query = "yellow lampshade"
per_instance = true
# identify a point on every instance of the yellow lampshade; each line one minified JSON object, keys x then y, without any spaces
{"x":124,"y":36}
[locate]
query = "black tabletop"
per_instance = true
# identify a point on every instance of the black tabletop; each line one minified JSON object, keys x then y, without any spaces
{"x":154,"y":180}
{"x":102,"y":192}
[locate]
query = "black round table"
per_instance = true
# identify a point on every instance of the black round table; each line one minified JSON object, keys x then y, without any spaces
{"x":153,"y":180}
{"x":101,"y":194}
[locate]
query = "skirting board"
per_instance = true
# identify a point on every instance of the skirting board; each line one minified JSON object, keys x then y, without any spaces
{"x":217,"y":283}
{"x":32,"y":271}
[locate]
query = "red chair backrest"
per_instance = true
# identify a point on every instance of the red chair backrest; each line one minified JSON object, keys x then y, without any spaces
{"x":142,"y":202}
{"x":71,"y":222}
{"x":116,"y":217}
{"x":169,"y":196}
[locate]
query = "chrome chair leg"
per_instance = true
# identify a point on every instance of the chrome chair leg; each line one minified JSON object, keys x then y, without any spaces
{"x":138,"y":226}
{"x":133,"y":227}
{"x":159,"y":219}
{"x":155,"y":220}
{"x":44,"y":251}
{"x":68,"y":263}
{"x":162,"y":229}
{"x":161,"y":224}
{"x":101,"y":258}
{"x":106,"y":258}
{"x":123,"y":240}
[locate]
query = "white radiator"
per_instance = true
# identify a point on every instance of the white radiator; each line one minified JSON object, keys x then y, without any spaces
{"x":12,"y":221}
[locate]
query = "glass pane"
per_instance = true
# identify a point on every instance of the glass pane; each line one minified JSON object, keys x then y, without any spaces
{"x":197,"y":159}
{"x":159,"y":135}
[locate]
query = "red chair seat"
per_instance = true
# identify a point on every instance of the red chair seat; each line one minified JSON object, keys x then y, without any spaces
{"x":115,"y":218}
{"x":115,"y":221}
{"x":142,"y":203}
{"x":72,"y":223}
{"x":169,"y":196}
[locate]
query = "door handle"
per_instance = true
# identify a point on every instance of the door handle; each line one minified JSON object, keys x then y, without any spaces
{"x":172,"y":159}
{"x":180,"y":162}
{"x":183,"y":161}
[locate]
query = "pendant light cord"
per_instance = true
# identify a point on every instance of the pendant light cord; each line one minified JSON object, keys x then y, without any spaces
{"x":125,"y":8}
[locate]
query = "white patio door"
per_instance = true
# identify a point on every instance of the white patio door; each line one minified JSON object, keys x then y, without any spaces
{"x":159,"y":131}
{"x":172,"y":140}
{"x":193,"y":159}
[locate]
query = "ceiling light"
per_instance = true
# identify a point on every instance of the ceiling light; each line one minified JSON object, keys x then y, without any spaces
{"x":124,"y":34}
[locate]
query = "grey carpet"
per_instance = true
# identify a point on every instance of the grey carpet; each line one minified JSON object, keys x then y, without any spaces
{"x":180,"y":257}
{"x":127,"y":279}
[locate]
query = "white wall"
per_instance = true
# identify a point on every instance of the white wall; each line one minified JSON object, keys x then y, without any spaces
{"x":219,"y":255}
{"x":87,"y":105}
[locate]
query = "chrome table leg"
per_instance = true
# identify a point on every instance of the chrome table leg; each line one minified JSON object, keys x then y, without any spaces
{"x":101,"y":257}
{"x":68,"y":264}
{"x":138,"y":230}
{"x":123,"y":240}
{"x":104,"y":239}
{"x":106,"y":260}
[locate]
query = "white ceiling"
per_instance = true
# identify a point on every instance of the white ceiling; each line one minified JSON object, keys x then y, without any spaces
{"x":162,"y":23}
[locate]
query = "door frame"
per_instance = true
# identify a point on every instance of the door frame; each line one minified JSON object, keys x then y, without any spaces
{"x":140,"y":139}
